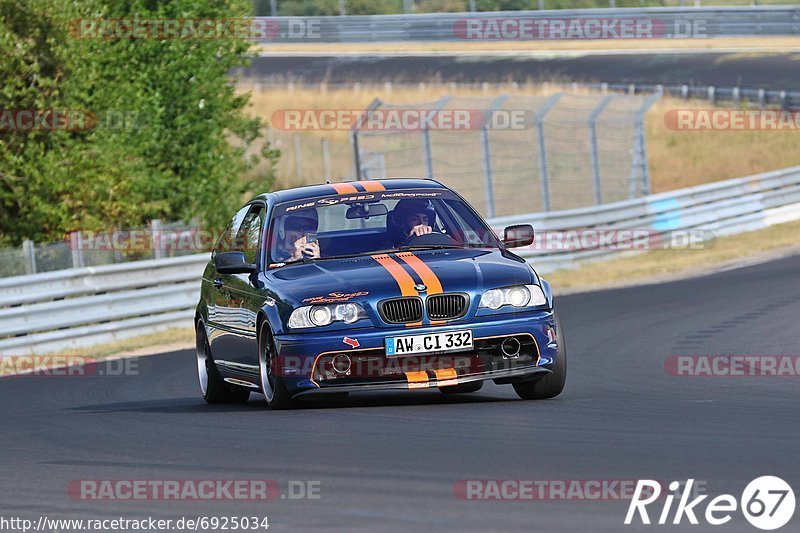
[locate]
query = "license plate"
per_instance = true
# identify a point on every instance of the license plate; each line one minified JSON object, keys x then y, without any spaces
{"x":450,"y":341}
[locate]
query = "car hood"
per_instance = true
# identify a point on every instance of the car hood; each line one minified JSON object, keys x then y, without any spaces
{"x":366,"y":278}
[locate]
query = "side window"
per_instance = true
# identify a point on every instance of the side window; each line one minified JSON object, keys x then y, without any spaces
{"x":226,"y":242}
{"x":249,"y":235}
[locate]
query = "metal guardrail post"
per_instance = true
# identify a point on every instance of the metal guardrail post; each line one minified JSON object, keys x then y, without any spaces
{"x":598,"y":191}
{"x":77,"y":249}
{"x":156,"y":238}
{"x":487,"y":154}
{"x":544,"y":169}
{"x":29,"y":252}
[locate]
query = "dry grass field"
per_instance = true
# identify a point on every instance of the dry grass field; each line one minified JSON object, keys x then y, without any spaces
{"x":677,"y":158}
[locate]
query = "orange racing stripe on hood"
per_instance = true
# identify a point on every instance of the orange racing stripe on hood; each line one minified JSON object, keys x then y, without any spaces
{"x":428,"y":277}
{"x":403,"y":278}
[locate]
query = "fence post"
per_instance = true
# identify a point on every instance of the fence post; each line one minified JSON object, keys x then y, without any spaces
{"x":356,"y":154}
{"x":77,"y":251}
{"x":326,"y":160}
{"x":426,"y":151}
{"x":640,"y":161}
{"x":273,"y":8}
{"x":377,"y":102}
{"x":156,"y":238}
{"x":598,"y":191}
{"x":487,"y":154}
{"x":298,"y":157}
{"x":426,"y":139}
{"x":544,"y":169}
{"x":29,"y":252}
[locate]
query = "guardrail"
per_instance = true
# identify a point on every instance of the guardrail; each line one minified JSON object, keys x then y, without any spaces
{"x":705,"y":211}
{"x":666,"y":22}
{"x":57,"y":311}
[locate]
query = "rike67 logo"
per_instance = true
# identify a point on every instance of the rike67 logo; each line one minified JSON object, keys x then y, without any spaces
{"x":768,"y":503}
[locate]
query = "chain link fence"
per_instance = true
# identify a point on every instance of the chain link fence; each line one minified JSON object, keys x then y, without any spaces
{"x":567,"y":150}
{"x":89,"y":249}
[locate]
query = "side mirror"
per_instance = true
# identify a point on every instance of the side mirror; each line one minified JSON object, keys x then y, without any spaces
{"x":232,"y":263}
{"x":518,"y":235}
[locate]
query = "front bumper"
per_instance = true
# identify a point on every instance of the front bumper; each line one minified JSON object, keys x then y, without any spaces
{"x":307,"y":360}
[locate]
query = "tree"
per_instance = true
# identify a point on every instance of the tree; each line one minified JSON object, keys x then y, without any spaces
{"x":167,"y":131}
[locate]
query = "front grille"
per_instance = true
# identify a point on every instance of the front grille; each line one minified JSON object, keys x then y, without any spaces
{"x":447,"y":306}
{"x":401,"y":310}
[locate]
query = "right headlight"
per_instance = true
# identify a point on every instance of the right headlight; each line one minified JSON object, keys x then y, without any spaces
{"x":515,"y":296}
{"x":311,"y":316}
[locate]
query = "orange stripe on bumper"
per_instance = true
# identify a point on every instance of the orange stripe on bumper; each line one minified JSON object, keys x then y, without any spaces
{"x":446,"y":376}
{"x":417,"y":380}
{"x":403,"y":278}
{"x":428,"y":277}
{"x":344,"y":188}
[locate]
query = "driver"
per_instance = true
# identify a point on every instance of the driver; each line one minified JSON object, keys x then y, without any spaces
{"x":412,"y":218}
{"x":293,"y":236}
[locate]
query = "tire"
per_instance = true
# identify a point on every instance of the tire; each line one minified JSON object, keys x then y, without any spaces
{"x":212,"y":386}
{"x":551,"y":385}
{"x":272,"y":386}
{"x":463,"y":388}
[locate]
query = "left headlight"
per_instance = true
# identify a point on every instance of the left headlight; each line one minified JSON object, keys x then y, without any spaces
{"x":516,"y":296}
{"x":311,"y":316}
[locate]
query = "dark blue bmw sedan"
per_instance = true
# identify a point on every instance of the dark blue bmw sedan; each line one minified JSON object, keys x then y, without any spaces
{"x":372,"y":285}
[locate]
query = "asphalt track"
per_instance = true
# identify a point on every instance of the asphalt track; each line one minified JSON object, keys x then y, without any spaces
{"x":757,"y":70}
{"x":389,"y":462}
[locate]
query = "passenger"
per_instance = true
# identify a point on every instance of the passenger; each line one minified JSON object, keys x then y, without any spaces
{"x":294,"y":231}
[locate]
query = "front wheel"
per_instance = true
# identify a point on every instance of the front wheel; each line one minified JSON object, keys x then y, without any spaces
{"x":551,"y":385}
{"x":212,"y":386}
{"x":272,"y":384}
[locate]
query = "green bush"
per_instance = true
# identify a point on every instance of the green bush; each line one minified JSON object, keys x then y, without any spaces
{"x":172,"y":132}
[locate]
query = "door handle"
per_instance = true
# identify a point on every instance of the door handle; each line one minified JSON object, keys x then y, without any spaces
{"x":218,"y":283}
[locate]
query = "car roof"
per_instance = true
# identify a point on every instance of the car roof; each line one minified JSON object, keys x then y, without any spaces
{"x":328,"y":189}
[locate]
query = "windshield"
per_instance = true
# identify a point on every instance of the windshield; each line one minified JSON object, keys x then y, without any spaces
{"x":370,"y":223}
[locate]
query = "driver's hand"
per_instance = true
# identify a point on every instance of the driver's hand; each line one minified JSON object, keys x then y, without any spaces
{"x":305,"y":249}
{"x":420,"y":230}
